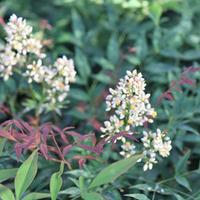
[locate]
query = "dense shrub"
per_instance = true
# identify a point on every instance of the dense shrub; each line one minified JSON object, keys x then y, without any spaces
{"x":107,"y":38}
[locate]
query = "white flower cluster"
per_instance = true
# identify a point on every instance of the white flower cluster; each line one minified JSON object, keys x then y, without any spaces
{"x":131,"y":109}
{"x":23,"y":50}
{"x":20,"y":38}
{"x":57,"y":77}
{"x":130,"y":104}
{"x":153,"y":143}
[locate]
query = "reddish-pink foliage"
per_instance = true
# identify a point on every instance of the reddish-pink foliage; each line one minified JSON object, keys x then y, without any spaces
{"x":2,"y":22}
{"x":4,"y":109}
{"x":176,"y":85}
{"x":52,"y":142}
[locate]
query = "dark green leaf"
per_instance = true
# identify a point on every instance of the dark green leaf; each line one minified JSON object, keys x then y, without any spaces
{"x":113,"y":51}
{"x":114,"y":170}
{"x":184,"y":182}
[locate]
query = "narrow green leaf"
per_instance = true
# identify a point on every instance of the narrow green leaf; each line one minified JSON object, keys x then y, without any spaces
{"x":178,"y":197}
{"x":114,"y":170}
{"x":92,"y":196}
{"x":56,"y":182}
{"x":2,"y":144}
{"x":113,"y":51}
{"x":144,"y":187}
{"x":6,"y":193}
{"x":7,"y":173}
{"x":184,"y":182}
{"x":36,"y":195}
{"x":138,"y":196}
{"x":77,"y":24}
{"x":79,"y":94}
{"x":82,"y":185}
{"x":104,"y":63}
{"x":102,"y":78}
{"x":82,"y":63}
{"x":182,"y":163}
{"x":71,"y":191}
{"x":155,"y":12}
{"x":26,"y":174}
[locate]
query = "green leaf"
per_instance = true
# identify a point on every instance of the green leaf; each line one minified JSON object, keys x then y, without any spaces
{"x":82,"y":64}
{"x":56,"y":182}
{"x":36,"y":195}
{"x":82,"y":185}
{"x":138,"y":196}
{"x":114,"y":170}
{"x":104,"y":63}
{"x":11,"y":85}
{"x":192,"y":138}
{"x":6,"y":193}
{"x":178,"y":197}
{"x":182,"y":163}
{"x":155,"y":12}
{"x":92,"y":196}
{"x":5,"y":174}
{"x":188,"y":128}
{"x":78,"y":26}
{"x":2,"y":92}
{"x":79,"y":94}
{"x":73,"y":191}
{"x":102,"y":78}
{"x":183,"y":181}
{"x":113,"y":52}
{"x":26,"y":174}
{"x":144,"y":187}
{"x":2,"y":144}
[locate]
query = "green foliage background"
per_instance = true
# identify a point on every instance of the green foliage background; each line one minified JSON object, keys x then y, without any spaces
{"x":106,"y":38}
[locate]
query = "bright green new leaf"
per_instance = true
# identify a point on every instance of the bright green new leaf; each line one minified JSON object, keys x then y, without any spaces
{"x":36,"y":195}
{"x":26,"y":174}
{"x":155,"y":12}
{"x":114,"y":170}
{"x":56,"y":182}
{"x":82,"y":185}
{"x":6,"y":193}
{"x":7,"y":173}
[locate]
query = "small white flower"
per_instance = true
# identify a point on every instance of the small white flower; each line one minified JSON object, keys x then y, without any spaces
{"x":128,"y":149}
{"x":153,"y":143}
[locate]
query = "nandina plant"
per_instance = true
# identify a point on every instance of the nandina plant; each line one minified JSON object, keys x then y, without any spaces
{"x":128,"y":106}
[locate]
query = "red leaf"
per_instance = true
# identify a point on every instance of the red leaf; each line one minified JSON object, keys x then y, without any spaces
{"x":185,"y":80}
{"x":67,"y":149}
{"x":44,"y":151}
